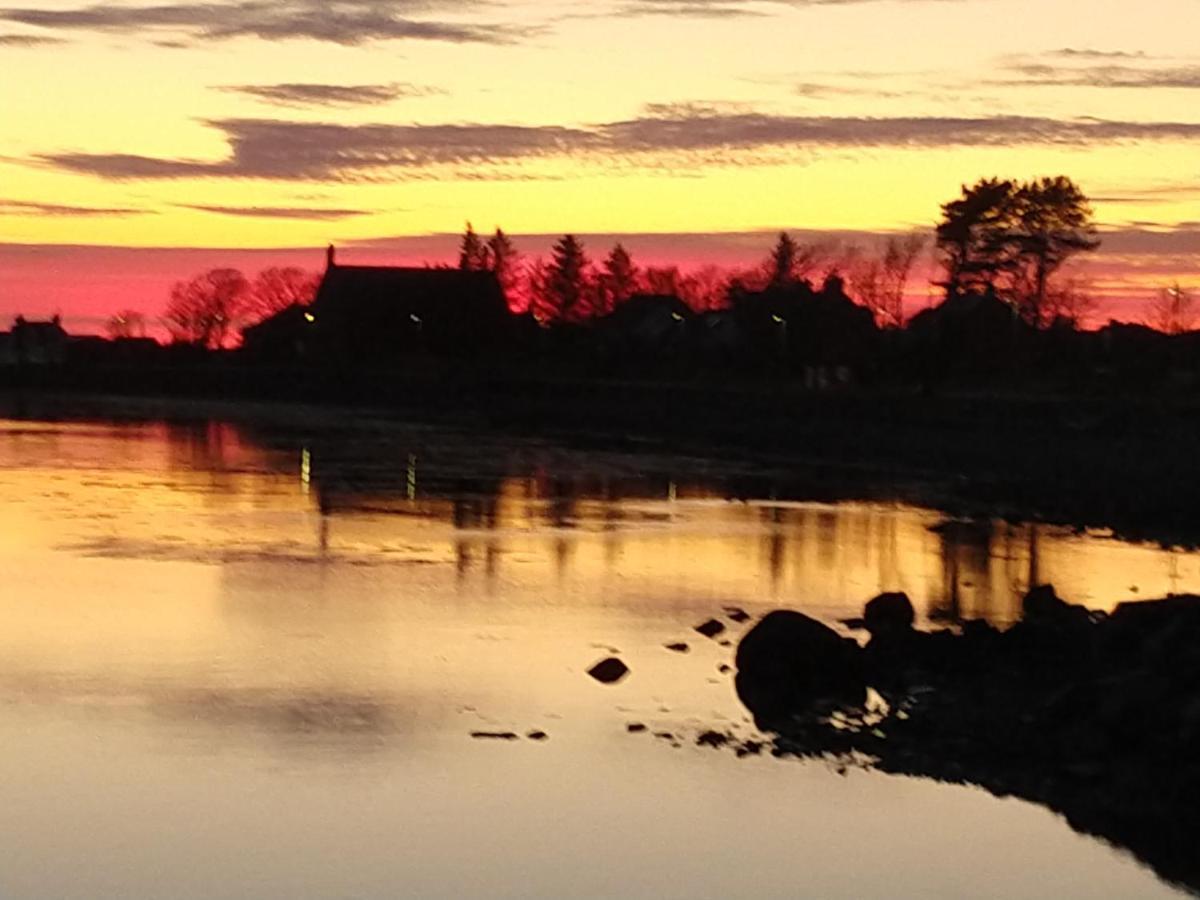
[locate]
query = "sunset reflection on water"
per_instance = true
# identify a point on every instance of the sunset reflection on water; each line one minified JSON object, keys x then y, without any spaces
{"x":247,"y":661}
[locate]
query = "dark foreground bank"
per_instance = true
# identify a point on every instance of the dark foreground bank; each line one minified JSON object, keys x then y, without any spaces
{"x":1096,"y":717}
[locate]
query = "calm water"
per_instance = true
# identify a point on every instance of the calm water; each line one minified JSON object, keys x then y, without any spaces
{"x":247,"y":663}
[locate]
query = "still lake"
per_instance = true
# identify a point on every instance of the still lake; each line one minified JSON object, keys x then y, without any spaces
{"x":247,"y":661}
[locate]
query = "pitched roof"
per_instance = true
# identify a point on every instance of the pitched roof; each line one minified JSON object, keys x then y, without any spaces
{"x":414,"y":288}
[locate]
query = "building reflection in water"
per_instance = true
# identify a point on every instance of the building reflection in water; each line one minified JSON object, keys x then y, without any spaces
{"x":654,"y":532}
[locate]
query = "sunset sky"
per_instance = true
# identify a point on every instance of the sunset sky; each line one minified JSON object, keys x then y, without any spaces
{"x":253,"y":132}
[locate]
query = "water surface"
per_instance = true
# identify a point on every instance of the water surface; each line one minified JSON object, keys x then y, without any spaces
{"x":247,"y":662}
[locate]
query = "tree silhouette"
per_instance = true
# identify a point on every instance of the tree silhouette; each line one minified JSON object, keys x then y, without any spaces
{"x":1054,"y":223}
{"x":275,"y":289}
{"x":567,"y":279}
{"x":472,"y":254}
{"x":1011,"y":238}
{"x":974,"y":236}
{"x":209,"y":308}
{"x":781,"y":265}
{"x":128,"y":323}
{"x":1173,"y":310}
{"x":503,"y":260}
{"x":619,"y":280}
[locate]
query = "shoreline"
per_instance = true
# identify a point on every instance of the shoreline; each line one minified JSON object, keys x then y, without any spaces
{"x":1125,"y":464}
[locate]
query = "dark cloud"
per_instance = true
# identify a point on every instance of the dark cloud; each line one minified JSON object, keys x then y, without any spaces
{"x":282,"y":150}
{"x":28,"y":40}
{"x":30,"y":208}
{"x":331,"y":94}
{"x":278,"y":212}
{"x":1102,"y":76}
{"x":348,"y":22}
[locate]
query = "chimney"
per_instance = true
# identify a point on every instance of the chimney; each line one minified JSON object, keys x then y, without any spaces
{"x":331,"y":257}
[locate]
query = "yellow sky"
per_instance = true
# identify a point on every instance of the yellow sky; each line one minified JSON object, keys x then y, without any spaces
{"x":883,"y":76}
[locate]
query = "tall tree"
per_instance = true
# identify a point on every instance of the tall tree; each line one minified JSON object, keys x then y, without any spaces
{"x":974,"y":236}
{"x":1054,"y":223}
{"x":276,"y":288}
{"x":781,"y":265}
{"x":208,"y":309}
{"x":472,"y":253}
{"x":1173,"y":310}
{"x":1012,"y":238}
{"x":567,"y":279}
{"x":899,"y":256}
{"x":504,"y":261}
{"x":620,"y":277}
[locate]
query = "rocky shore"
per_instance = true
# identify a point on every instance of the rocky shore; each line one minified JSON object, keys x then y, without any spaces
{"x":1094,"y":716}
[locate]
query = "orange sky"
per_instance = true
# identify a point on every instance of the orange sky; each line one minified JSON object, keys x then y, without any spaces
{"x":236,"y":124}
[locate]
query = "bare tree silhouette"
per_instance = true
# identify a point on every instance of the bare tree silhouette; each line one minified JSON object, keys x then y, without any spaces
{"x":208,"y":309}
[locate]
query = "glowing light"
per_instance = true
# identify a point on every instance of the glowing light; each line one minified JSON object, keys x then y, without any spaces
{"x":310,"y":318}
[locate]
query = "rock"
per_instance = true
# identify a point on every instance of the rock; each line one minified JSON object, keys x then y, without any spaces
{"x":635,"y":728}
{"x":724,"y":669}
{"x":494,"y":735}
{"x":735,"y":614}
{"x":711,"y":628}
{"x":678,"y":648}
{"x":538,"y":736}
{"x":609,"y":671}
{"x":889,"y":613}
{"x":1043,"y":606}
{"x":790,"y":664}
{"x":713,"y":739}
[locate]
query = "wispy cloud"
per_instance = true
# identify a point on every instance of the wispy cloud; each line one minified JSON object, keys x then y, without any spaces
{"x":310,"y":95}
{"x":286,"y":150}
{"x":347,"y":22}
{"x":32,"y":208}
{"x":29,"y":40}
{"x":278,"y":212}
{"x":1102,"y":76}
{"x":721,"y":9}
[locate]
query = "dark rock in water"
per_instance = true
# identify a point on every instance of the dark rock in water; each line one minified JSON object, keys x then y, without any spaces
{"x":724,"y":669}
{"x":889,"y":613}
{"x":1096,"y":717}
{"x":789,"y":663}
{"x":635,"y":727}
{"x":609,"y":671}
{"x":678,"y":648}
{"x":1043,"y":606}
{"x":494,"y":735}
{"x":736,"y":614}
{"x":713,"y":739}
{"x":711,"y":628}
{"x":538,"y":736}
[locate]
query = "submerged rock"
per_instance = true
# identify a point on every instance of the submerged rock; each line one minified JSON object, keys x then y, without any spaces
{"x":678,"y":648}
{"x":609,"y":671}
{"x":711,"y":628}
{"x":737,"y":614}
{"x":494,"y":735}
{"x":538,"y":736}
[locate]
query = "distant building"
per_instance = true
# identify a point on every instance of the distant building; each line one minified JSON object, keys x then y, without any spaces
{"x":378,"y":314}
{"x":38,"y":344}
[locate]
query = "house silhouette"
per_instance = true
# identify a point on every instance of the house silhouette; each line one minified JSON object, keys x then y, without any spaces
{"x":376,"y":315}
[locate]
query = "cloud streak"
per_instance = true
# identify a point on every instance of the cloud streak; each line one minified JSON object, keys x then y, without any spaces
{"x":346,"y":22}
{"x":331,"y":95}
{"x":302,"y":151}
{"x":30,"y":208}
{"x":1103,"y":76}
{"x":278,"y":212}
